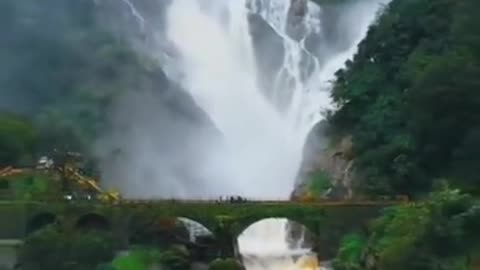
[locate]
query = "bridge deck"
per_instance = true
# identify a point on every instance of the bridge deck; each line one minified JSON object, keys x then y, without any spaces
{"x":213,"y":202}
{"x":259,"y":202}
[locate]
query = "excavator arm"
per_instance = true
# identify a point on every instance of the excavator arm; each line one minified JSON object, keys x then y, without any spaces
{"x":9,"y":171}
{"x":73,"y":175}
{"x":90,"y":184}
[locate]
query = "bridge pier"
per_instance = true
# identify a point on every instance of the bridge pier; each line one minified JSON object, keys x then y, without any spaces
{"x":227,"y":245}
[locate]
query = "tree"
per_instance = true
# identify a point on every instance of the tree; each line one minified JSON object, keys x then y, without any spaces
{"x":53,"y":248}
{"x":349,"y":255}
{"x":18,"y":140}
{"x":409,"y":98}
{"x":439,"y":233}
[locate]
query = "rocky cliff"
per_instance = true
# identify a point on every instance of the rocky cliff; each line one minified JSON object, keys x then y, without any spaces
{"x":331,"y":159}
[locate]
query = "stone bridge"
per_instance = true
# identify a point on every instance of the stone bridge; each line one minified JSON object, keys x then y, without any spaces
{"x":327,"y":221}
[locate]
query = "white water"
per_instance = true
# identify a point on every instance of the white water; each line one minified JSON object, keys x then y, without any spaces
{"x":264,"y":130}
{"x":264,"y":246}
{"x":220,"y":73}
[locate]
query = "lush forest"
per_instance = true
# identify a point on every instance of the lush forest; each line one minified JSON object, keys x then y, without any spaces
{"x":440,"y":233}
{"x":409,"y":98}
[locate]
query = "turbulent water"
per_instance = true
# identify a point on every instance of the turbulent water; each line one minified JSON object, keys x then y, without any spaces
{"x":263,"y":91}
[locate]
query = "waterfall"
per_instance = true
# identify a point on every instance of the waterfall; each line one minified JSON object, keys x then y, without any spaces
{"x":263,"y":100}
{"x":259,"y":69}
{"x":260,"y":153}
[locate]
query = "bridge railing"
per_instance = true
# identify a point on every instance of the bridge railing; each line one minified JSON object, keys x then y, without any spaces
{"x":363,"y":201}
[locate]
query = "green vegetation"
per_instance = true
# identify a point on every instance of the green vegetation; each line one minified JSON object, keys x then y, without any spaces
{"x":439,"y":233}
{"x":410,"y":98}
{"x":30,"y":187}
{"x":137,"y":259}
{"x":176,"y":258}
{"x":52,"y":248}
{"x":225,"y":264}
{"x":18,"y":140}
{"x":319,"y":184}
{"x":350,"y":253}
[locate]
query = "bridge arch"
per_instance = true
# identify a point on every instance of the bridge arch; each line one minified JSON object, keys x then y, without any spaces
{"x":40,"y":221}
{"x":195,"y":228}
{"x":289,"y":228}
{"x":157,"y":229}
{"x":93,"y":221}
{"x":244,"y":224}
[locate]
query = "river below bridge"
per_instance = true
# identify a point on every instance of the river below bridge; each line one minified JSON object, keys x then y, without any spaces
{"x":267,"y":245}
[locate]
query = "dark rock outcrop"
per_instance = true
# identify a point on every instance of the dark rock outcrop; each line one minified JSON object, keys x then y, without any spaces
{"x":335,"y":160}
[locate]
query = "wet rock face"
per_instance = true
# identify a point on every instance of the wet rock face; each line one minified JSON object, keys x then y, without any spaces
{"x":299,"y":8}
{"x":269,"y":50}
{"x":299,"y":237}
{"x":335,"y":161}
{"x":296,"y":16}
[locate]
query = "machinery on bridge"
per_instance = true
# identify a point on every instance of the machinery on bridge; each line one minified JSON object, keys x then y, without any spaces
{"x":73,"y":183}
{"x":71,"y":175}
{"x":76,"y":186}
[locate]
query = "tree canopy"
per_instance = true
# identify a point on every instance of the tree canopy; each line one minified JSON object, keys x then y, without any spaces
{"x":410,"y":98}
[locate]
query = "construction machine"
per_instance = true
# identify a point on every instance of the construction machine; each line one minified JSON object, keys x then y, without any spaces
{"x":72,"y":181}
{"x":87,"y":185}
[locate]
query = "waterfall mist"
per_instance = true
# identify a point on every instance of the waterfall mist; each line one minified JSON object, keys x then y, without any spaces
{"x":260,"y":70}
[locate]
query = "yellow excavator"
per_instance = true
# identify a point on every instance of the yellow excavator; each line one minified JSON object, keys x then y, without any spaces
{"x":84,"y":183}
{"x":74,"y":178}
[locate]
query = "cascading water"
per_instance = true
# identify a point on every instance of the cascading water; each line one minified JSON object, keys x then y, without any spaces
{"x":259,"y":149}
{"x":264,"y":121}
{"x":264,"y":125}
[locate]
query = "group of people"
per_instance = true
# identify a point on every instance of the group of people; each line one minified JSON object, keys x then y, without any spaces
{"x":231,"y":199}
